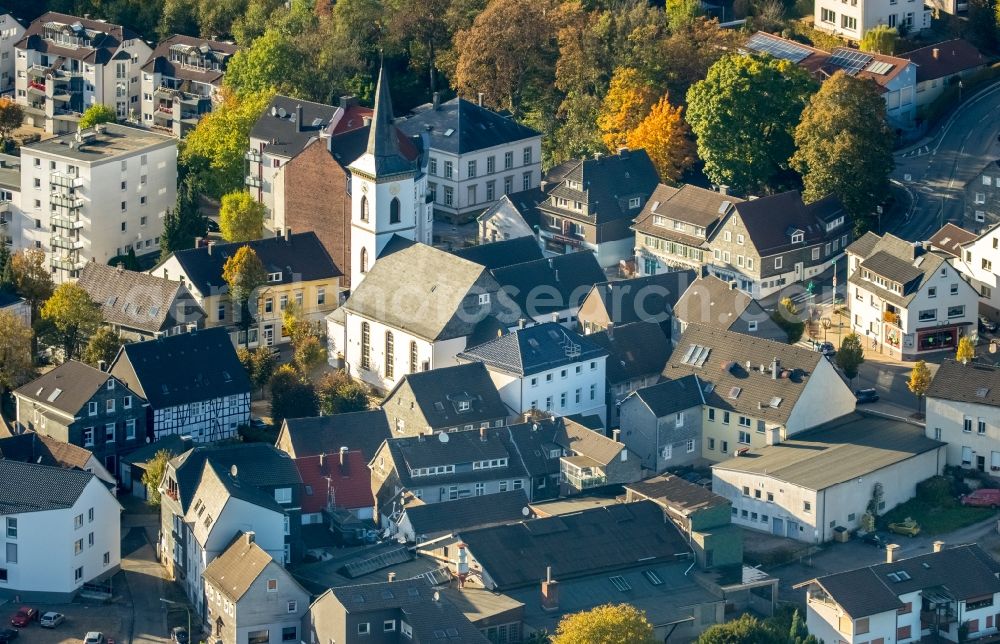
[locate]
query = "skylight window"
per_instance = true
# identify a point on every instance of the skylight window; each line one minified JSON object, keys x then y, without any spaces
{"x":734,"y":392}
{"x":652,"y":577}
{"x":775,"y":402}
{"x":55,"y":394}
{"x":620,"y":583}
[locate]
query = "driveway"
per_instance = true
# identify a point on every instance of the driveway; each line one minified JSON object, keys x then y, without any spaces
{"x":147,"y":582}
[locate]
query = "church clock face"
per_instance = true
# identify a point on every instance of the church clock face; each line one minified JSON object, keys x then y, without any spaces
{"x":394,"y":190}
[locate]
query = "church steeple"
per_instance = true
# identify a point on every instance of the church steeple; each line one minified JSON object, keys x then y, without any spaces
{"x":383,"y":138}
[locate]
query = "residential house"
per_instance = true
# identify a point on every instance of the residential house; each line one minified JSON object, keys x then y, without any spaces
{"x":512,"y":216}
{"x":209,"y":494}
{"x":361,"y":431}
{"x":61,"y":531}
{"x":546,"y":367}
{"x":712,"y":302}
{"x":637,"y":353}
{"x":906,"y":299}
{"x":11,"y":32}
{"x":943,"y":64}
{"x":854,"y":21}
{"x":96,"y":194}
{"x":641,"y":299}
{"x":421,"y":522}
{"x":631,"y":553}
{"x":592,"y":460}
{"x":503,"y":253}
{"x":140,"y":306}
{"x":414,"y":311}
{"x":982,"y":199}
{"x":476,"y":156}
{"x":193,"y":382}
{"x":250,"y":597}
{"x":182,"y":81}
{"x":548,"y":289}
{"x":700,"y":514}
{"x":949,"y":594}
{"x":134,"y":465}
{"x":448,"y":399}
{"x":32,"y":447}
{"x":962,"y":410}
{"x":768,"y":243}
{"x":86,"y":407}
{"x":896,"y":77}
{"x":823,"y":479}
{"x":397,"y":611}
{"x":336,"y":498}
{"x":16,"y":306}
{"x":672,"y":231}
{"x":593,"y":206}
{"x":67,"y":63}
{"x":973,"y":258}
{"x":950,"y":239}
{"x":757,"y":392}
{"x":299,"y":271}
{"x":662,"y":424}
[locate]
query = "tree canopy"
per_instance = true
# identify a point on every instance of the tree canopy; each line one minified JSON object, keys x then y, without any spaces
{"x":241,"y":217}
{"x":608,"y":624}
{"x":96,"y":114}
{"x":243,"y":273}
{"x":850,"y":355}
{"x":74,"y":316}
{"x":665,"y":137}
{"x":16,"y":364}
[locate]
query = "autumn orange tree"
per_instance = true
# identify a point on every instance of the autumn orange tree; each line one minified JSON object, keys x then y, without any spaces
{"x":626,"y":104}
{"x":665,"y":137}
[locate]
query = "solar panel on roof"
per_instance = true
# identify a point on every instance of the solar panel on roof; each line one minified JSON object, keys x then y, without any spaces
{"x":778,"y":48}
{"x":849,"y":60}
{"x":879,"y":67}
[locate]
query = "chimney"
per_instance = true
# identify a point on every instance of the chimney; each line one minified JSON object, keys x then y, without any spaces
{"x":774,"y":369}
{"x":482,"y":434}
{"x":288,"y":234}
{"x":732,"y":286}
{"x":367,"y":120}
{"x":462,"y":564}
{"x":436,"y":101}
{"x":480,"y":99}
{"x":936,"y":53}
{"x":615,"y":435}
{"x":890,"y":552}
{"x":611,"y":330}
{"x":550,"y":592}
{"x":248,"y":537}
{"x":723,"y":190}
{"x":521,"y":322}
{"x":298,"y":118}
{"x":555,"y":316}
{"x":197,"y":241}
{"x":343,"y":457}
{"x":209,"y":246}
{"x":392,"y":577}
{"x":102,"y":365}
{"x":322,"y":460}
{"x":938,"y":546}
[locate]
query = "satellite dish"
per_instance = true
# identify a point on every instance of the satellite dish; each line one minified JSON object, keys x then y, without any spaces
{"x":274,"y":111}
{"x":443,"y":437}
{"x":526,"y":512}
{"x":233,"y":471}
{"x":282,"y":113}
{"x":437,"y":596}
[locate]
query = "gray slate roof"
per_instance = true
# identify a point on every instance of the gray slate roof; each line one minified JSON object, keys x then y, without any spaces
{"x":29,"y":487}
{"x":160,"y":61}
{"x":718,"y":304}
{"x":467,"y":513}
{"x":669,"y":491}
{"x":542,"y":286}
{"x":897,"y":260}
{"x":289,"y":140}
{"x":31,"y":447}
{"x":768,"y":221}
{"x":651,"y":298}
{"x":239,"y":565}
{"x":950,"y":239}
{"x":360,"y":430}
{"x":524,"y":203}
{"x":438,"y":391}
{"x":67,"y":388}
{"x":534,"y":349}
{"x":139,"y":301}
{"x":634,"y":350}
{"x":258,"y":465}
{"x":852,"y":446}
{"x":105,"y":38}
{"x":471,"y":127}
{"x":383,"y":151}
{"x":183,"y":368}
{"x":502,"y":253}
{"x":672,"y":396}
{"x":977,"y":383}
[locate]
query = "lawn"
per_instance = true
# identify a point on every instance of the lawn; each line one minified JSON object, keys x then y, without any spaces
{"x":935,"y":519}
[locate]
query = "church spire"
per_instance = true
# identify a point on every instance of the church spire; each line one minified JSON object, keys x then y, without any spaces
{"x":383,"y":138}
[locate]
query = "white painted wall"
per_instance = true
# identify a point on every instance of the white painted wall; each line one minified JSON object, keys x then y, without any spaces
{"x":825,"y":397}
{"x":545,"y":390}
{"x":10,"y":32}
{"x":868,"y":14}
{"x":946,"y":422}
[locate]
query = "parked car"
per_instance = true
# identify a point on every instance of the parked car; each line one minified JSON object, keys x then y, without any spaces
{"x":7,"y":635}
{"x":179,"y":635}
{"x":826,"y":348}
{"x":52,"y":619}
{"x":907,"y":527}
{"x":95,"y":637}
{"x":986,"y":324}
{"x":982,"y":498}
{"x":868,"y":395}
{"x":876,"y":539}
{"x":211,"y":225}
{"x":24,"y":616}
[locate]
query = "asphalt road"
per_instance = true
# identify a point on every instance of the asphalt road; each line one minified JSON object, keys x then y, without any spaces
{"x":935,"y":172}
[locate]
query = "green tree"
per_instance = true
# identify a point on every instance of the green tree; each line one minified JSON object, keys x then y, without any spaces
{"x":291,"y":397}
{"x":178,"y":17}
{"x":185,"y":223}
{"x":272,"y":62}
{"x":424,"y":34}
{"x":96,"y":114}
{"x":103,"y":346}
{"x":744,"y":114}
{"x":153,"y":476}
{"x":340,"y":394}
{"x":241,"y":217}
{"x":845,"y":146}
{"x":745,"y":630}
{"x":966,"y":352}
{"x":981,"y":23}
{"x":920,"y":380}
{"x":850,"y":356}
{"x":32,"y":278}
{"x":16,"y":364}
{"x":309,"y":354}
{"x":259,"y":363}
{"x":7,"y":282}
{"x":681,"y":14}
{"x":11,"y":117}
{"x":786,"y":315}
{"x":244,"y":273}
{"x":880,"y":39}
{"x":74,"y":316}
{"x":607,"y":624}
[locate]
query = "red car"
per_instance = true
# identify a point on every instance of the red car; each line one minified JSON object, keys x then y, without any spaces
{"x":24,"y":616}
{"x":983,"y":498}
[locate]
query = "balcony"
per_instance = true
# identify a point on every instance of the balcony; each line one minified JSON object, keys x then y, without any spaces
{"x":66,"y":243}
{"x":35,"y":86}
{"x":253,"y":182}
{"x":253,"y":156}
{"x":164,"y":109}
{"x":68,"y":263}
{"x":66,"y":201}
{"x":65,"y":181}
{"x":585,"y":482}
{"x":66,"y":222}
{"x":37,"y":71}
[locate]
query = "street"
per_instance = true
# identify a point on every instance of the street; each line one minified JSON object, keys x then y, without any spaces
{"x":934,"y":173}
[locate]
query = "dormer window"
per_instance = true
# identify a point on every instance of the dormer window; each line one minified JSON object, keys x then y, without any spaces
{"x":274,"y":277}
{"x":634,"y":202}
{"x":659,"y":220}
{"x":797,"y":237}
{"x":463,"y":405}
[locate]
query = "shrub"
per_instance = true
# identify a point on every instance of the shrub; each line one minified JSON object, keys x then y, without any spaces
{"x":936,"y":491}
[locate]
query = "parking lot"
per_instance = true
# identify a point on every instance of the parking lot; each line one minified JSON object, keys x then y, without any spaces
{"x":111,"y":618}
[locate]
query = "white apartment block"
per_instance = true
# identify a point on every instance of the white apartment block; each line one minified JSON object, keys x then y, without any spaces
{"x":10,"y":200}
{"x":65,"y":64}
{"x":96,"y":194}
{"x":851,"y":20}
{"x":11,"y":32}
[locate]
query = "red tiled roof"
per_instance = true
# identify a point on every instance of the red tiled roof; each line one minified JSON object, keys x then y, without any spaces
{"x":353,"y":119}
{"x":944,"y":59}
{"x":349,"y":485}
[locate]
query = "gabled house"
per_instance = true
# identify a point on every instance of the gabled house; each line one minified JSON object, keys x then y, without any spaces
{"x":673,"y":229}
{"x":949,"y":594}
{"x":547,"y":289}
{"x":594,"y":204}
{"x":546,"y":367}
{"x":361,"y":431}
{"x":336,"y":498}
{"x":414,"y":311}
{"x":251,"y":597}
{"x":963,"y":410}
{"x":511,"y":217}
{"x":939,"y":64}
{"x":32,"y":447}
{"x":299,"y":271}
{"x":950,"y":239}
{"x":662,"y":424}
{"x":637,"y":353}
{"x":905,"y":299}
{"x":641,"y":299}
{"x":476,"y":155}
{"x":768,"y":243}
{"x":85,"y":407}
{"x":973,"y":257}
{"x":62,"y":529}
{"x":715,"y":303}
{"x":448,"y":399}
{"x":11,"y":31}
{"x":592,"y":460}
{"x":140,"y":306}
{"x":181,"y":82}
{"x":193,"y":382}
{"x":757,"y":392}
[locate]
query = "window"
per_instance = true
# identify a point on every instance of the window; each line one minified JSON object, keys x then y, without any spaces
{"x":394,"y":216}
{"x":259,"y":637}
{"x":269,"y":302}
{"x":744,"y":438}
{"x":711,"y":414}
{"x":927,"y":315}
{"x":508,"y":160}
{"x":289,"y":633}
{"x":828,"y":16}
{"x":526,"y":181}
{"x":413,"y":356}
{"x":90,"y":515}
{"x":390,"y":354}
{"x":283,"y":495}
{"x":471,"y":167}
{"x":449,"y":195}
{"x":807,"y":507}
{"x":366,"y":345}
{"x":861,"y":626}
{"x":777,"y":262}
{"x":690,"y":445}
{"x":78,"y":522}
{"x":272,"y":585}
{"x":667,"y":452}
{"x":92,"y":409}
{"x":11,"y":527}
{"x":967,"y":425}
{"x":78,"y":574}
{"x":744,"y":421}
{"x":724,"y":447}
{"x":849,"y":23}
{"x":502,"y":486}
{"x":433,"y":166}
{"x":109,"y":433}
{"x":90,"y":540}
{"x":815,"y":253}
{"x":449,"y":169}
{"x":956,"y":311}
{"x":725,"y":418}
{"x":78,"y":546}
{"x":953,"y":290}
{"x":88,"y":436}
{"x":11,"y":553}
{"x":389,"y":625}
{"x":364,"y":208}
{"x":987,"y":265}
{"x":364,"y":260}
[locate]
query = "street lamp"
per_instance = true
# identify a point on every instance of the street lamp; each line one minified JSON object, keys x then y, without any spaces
{"x":186,"y":609}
